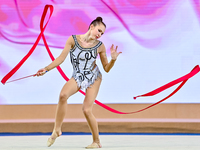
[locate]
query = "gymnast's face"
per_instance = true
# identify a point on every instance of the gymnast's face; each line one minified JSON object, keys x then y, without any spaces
{"x":97,"y":31}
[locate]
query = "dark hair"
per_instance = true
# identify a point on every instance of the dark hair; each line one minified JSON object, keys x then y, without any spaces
{"x":98,"y":21}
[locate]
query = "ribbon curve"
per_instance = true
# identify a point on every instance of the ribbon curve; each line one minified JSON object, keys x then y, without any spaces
{"x":182,"y":79}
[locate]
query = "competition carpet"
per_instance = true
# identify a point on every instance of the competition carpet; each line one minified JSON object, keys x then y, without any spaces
{"x":78,"y":141}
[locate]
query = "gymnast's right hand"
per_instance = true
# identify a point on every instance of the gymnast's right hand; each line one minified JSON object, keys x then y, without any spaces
{"x":41,"y":72}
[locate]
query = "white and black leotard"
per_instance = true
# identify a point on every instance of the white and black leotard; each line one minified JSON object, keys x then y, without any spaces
{"x":85,"y":70}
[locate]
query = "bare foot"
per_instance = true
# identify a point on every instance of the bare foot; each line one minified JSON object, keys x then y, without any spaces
{"x":53,"y":137}
{"x":94,"y":145}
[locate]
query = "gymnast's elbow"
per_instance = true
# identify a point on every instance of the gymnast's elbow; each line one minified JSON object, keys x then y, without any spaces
{"x":106,"y":70}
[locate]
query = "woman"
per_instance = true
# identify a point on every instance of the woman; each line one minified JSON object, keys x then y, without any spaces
{"x":86,"y":75}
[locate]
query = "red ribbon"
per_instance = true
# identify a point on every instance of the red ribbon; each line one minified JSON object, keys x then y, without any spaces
{"x":154,"y":92}
{"x":194,"y":71}
{"x":183,"y":79}
{"x":33,"y":47}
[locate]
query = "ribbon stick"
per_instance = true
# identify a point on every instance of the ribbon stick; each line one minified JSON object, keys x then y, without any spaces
{"x":21,"y":78}
{"x":154,"y":92}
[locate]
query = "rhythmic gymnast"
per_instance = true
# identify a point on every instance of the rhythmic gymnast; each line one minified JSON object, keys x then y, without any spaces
{"x":86,"y":75}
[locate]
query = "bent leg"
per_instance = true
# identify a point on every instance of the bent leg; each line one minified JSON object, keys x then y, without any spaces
{"x":68,"y":89}
{"x":90,"y":97}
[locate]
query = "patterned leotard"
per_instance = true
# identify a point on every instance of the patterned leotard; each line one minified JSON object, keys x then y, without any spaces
{"x":85,"y":70}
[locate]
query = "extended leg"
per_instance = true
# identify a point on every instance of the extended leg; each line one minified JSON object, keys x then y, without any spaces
{"x":90,"y":97}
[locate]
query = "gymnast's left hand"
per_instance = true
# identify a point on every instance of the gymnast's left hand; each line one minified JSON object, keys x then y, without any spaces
{"x":114,"y":53}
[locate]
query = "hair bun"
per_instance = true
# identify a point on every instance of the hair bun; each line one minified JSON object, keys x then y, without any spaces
{"x":99,"y":19}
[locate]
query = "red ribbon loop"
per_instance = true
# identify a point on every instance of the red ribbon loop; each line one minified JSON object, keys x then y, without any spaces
{"x":154,"y":92}
{"x":33,"y":47}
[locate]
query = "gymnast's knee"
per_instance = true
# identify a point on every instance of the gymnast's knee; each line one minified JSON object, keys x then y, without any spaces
{"x":63,"y":97}
{"x":86,"y":111}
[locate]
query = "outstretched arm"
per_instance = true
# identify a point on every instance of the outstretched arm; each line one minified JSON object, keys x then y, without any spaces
{"x":59,"y":59}
{"x":114,"y":54}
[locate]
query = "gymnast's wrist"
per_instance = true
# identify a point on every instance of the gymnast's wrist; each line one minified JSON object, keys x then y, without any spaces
{"x":47,"y":69}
